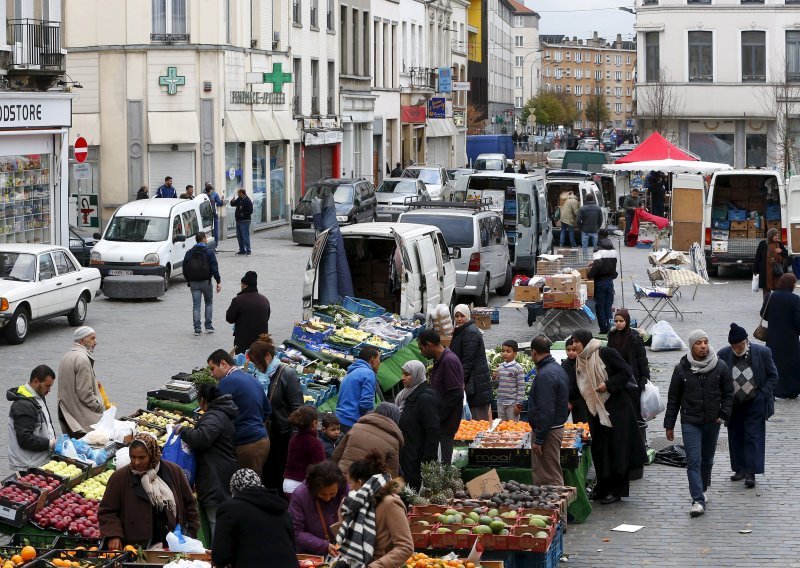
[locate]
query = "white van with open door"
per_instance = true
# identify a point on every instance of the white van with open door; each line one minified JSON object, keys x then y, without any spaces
{"x":423,"y":274}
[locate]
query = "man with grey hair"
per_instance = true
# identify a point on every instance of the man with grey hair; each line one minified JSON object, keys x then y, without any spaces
{"x":79,"y":402}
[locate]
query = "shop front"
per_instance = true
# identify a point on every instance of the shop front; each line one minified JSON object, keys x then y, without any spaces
{"x":320,"y":153}
{"x":441,"y":134}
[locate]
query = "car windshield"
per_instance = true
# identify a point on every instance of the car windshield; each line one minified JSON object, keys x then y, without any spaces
{"x":17,"y":266}
{"x":138,"y":229}
{"x":430,"y":177}
{"x":397,"y":186}
{"x":341,"y":195}
{"x":457,"y":231}
{"x":496,"y":165}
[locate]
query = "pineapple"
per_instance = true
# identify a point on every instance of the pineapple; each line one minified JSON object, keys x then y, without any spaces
{"x":439,"y":499}
{"x":448,"y":493}
{"x":419,"y":500}
{"x":432,"y":475}
{"x":452,"y":479}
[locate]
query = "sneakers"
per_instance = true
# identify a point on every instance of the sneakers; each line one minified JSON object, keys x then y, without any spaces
{"x":706,"y":498}
{"x":738,"y":476}
{"x":750,"y":481}
{"x":209,"y":330}
{"x":197,"y":333}
{"x":697,"y":509}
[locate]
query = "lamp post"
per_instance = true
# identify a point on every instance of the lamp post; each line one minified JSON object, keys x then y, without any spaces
{"x":524,"y":101}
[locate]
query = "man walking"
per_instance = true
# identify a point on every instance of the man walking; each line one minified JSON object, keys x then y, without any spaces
{"x":249,"y":313}
{"x":590,"y":219}
{"x":166,"y":190}
{"x":604,"y":271}
{"x":216,"y":202}
{"x":79,"y":402}
{"x":199,"y":266}
{"x":548,"y":409}
{"x":447,"y":379}
{"x":568,"y":217}
{"x":754,"y":378}
{"x":189,"y":193}
{"x":702,"y":390}
{"x":243,"y":213}
{"x":357,"y":391}
{"x":397,"y":171}
{"x":31,"y":436}
{"x":631,"y":203}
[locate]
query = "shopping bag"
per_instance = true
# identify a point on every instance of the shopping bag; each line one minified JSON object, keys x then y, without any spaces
{"x":177,"y":452}
{"x":674,"y":456}
{"x":651,"y":402}
{"x":665,"y":338}
{"x":755,"y":283}
{"x":178,"y":542}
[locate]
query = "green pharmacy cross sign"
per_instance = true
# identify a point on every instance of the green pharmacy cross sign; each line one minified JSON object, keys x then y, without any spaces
{"x":172,"y":80}
{"x":277,"y":77}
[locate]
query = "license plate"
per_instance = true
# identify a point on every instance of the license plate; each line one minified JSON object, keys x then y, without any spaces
{"x":120,"y":272}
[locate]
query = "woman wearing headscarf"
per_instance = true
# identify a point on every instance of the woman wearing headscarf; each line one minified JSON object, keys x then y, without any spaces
{"x":607,"y":385}
{"x":782,"y":312}
{"x":377,"y":430}
{"x":468,"y":345}
{"x":254,"y":527}
{"x":768,"y":264}
{"x":419,"y":422}
{"x":145,"y":500}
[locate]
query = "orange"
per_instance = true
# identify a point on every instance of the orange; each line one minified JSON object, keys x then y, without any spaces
{"x":17,"y":559}
{"x":129,"y":548}
{"x":28,"y":553}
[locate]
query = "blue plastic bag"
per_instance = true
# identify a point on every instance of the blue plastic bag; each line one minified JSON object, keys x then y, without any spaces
{"x":177,"y":452}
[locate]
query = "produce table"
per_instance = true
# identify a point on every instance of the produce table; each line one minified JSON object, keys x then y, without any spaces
{"x":186,"y":408}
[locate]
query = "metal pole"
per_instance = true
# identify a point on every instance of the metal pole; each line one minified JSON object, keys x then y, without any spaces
{"x":621,"y":279}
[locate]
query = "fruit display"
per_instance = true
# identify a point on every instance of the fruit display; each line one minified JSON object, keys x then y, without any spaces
{"x":521,"y":495}
{"x":340,"y":315}
{"x":72,"y":514}
{"x":18,"y":495}
{"x":512,"y":426}
{"x":495,"y":358}
{"x":62,"y":469}
{"x":26,"y":554}
{"x":571,"y":439}
{"x":468,"y":430}
{"x":95,"y":487}
{"x":81,"y":558}
{"x":502,"y":440}
{"x":40,"y":481}
{"x":421,"y":560}
{"x":440,"y":484}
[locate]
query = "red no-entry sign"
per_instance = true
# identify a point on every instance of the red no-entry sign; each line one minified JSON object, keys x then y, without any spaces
{"x":81,"y":149}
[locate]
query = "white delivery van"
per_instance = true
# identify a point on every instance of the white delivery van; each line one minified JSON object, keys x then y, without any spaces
{"x":560,"y":183}
{"x":426,"y":275}
{"x":150,"y":237}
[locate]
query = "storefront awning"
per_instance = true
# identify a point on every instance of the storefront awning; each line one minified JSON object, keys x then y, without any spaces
{"x":287,"y":124}
{"x":173,"y":128}
{"x":86,"y":125}
{"x":267,"y":124}
{"x":440,"y":127}
{"x":240,"y":127}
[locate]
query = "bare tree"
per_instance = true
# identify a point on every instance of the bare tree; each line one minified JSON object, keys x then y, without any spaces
{"x":659,"y":103}
{"x":781,"y":102}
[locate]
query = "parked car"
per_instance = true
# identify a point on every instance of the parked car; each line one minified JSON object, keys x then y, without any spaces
{"x":554,"y":159}
{"x":355,"y":203}
{"x":491,"y":162}
{"x":81,"y":243}
{"x":392,"y":194}
{"x":590,"y":144}
{"x":435,"y":177}
{"x":39,"y":282}
{"x":456,"y":173}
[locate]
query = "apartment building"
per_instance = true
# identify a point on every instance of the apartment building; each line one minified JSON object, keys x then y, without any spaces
{"x":385,"y":87}
{"x":527,"y":59}
{"x":416,"y":86}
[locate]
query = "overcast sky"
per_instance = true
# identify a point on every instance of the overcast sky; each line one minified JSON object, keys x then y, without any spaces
{"x":582,"y":17}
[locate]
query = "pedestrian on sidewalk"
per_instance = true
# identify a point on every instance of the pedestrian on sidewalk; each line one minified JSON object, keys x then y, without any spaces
{"x":782,"y":311}
{"x":548,"y":409}
{"x":31,"y":436}
{"x":242,"y":214}
{"x":199,"y":267}
{"x":768,"y":264}
{"x":702,"y":390}
{"x":249,"y":313}
{"x":754,"y":378}
{"x":216,"y":202}
{"x":630,"y":345}
{"x":568,"y":217}
{"x":79,"y":403}
{"x":603,"y":271}
{"x":166,"y":190}
{"x":590,"y":219}
{"x":510,"y":379}
{"x":357,"y":391}
{"x":468,"y":346}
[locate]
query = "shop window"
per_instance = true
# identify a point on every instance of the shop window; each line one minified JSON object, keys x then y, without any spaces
{"x":259,"y":197}
{"x":25,"y":199}
{"x":277,"y":181}
{"x":756,"y":150}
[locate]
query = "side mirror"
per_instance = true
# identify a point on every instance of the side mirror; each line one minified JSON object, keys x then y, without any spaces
{"x":97,"y":236}
{"x":179,"y":238}
{"x":456,"y":254}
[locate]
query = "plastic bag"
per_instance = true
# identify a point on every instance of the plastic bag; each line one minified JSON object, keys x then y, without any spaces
{"x":177,"y":452}
{"x":651,"y":402}
{"x":177,"y":542}
{"x":65,"y":447}
{"x":106,"y":422}
{"x":122,"y":458}
{"x":665,"y":338}
{"x":674,"y":455}
{"x":755,"y":283}
{"x":442,"y":322}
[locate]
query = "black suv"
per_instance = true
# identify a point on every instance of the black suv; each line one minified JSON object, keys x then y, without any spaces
{"x":355,"y":203}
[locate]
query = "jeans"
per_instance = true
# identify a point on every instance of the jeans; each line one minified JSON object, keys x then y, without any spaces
{"x":243,"y":235}
{"x":564,"y":229}
{"x":202,"y":289}
{"x":586,"y":237}
{"x":603,"y":300}
{"x":216,"y":228}
{"x":700,"y":443}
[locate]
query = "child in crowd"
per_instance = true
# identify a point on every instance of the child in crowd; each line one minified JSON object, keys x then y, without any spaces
{"x":305,"y":449}
{"x":510,"y":378}
{"x":331,"y":433}
{"x":577,"y":405}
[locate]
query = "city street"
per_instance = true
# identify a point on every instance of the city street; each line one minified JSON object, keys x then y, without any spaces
{"x":142,"y":344}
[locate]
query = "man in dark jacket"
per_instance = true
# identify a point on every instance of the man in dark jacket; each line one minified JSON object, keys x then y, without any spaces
{"x":548,"y":409}
{"x":658,"y":191}
{"x":199,"y":266}
{"x":702,"y":390}
{"x":31,"y":436}
{"x":447,"y":379}
{"x":285,"y":395}
{"x":604,"y":271}
{"x":754,"y":378}
{"x":166,"y":190}
{"x":468,"y":346}
{"x":216,"y":202}
{"x":590,"y":219}
{"x":249,"y":312}
{"x":397,"y":171}
{"x":242,"y":214}
{"x":630,"y":204}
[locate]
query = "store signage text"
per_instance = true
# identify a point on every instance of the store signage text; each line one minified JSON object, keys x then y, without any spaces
{"x":257,"y":98}
{"x":10,"y":113}
{"x":19,"y":112}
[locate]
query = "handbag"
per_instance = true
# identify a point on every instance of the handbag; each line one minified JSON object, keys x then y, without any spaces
{"x":274,"y":382}
{"x":760,"y":332}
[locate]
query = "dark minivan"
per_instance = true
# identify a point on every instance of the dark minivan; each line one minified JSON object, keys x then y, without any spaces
{"x":355,"y":203}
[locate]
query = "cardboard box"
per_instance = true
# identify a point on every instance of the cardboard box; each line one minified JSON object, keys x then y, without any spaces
{"x":489,"y":482}
{"x":483,"y":321}
{"x":562,"y":300}
{"x":564,"y":282}
{"x":773,"y":225}
{"x":589,"y":287}
{"x":583,"y":272}
{"x":527,"y":294}
{"x":719,"y":235}
{"x":754,"y":223}
{"x":719,"y":246}
{"x":752,"y":233}
{"x":547,"y":267}
{"x":738,"y":225}
{"x":738,"y":234}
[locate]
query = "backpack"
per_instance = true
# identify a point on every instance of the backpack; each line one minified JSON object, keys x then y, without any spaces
{"x":197,"y":267}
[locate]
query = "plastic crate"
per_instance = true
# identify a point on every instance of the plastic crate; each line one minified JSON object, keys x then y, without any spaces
{"x":50,"y":495}
{"x":69,"y":483}
{"x":38,"y":541}
{"x":306,"y":336}
{"x":363,"y":307}
{"x":549,"y":559}
{"x":94,"y":558}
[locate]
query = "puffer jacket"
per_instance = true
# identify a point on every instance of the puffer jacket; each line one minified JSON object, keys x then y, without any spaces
{"x":701,"y":399}
{"x":30,"y":429}
{"x":569,"y":211}
{"x":604,"y":261}
{"x":371,"y":432}
{"x":468,"y":345}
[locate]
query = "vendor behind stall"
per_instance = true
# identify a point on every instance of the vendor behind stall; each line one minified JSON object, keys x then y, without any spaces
{"x":145,"y":500}
{"x":31,"y":435}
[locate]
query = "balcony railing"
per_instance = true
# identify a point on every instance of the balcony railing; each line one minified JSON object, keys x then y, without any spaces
{"x":36,"y":45}
{"x":315,"y":106}
{"x":423,"y":77}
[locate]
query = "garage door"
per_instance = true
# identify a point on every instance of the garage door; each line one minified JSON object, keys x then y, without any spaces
{"x":439,"y":151}
{"x":179,"y":165}
{"x":318,"y":163}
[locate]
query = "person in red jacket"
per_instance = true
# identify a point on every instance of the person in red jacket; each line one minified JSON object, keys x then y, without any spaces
{"x":305,"y":449}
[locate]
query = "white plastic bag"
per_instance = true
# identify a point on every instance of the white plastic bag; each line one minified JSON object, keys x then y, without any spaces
{"x":755,"y":283}
{"x":651,"y":402}
{"x":442,"y":322}
{"x":122,"y":458}
{"x":106,"y":423}
{"x":178,"y":542}
{"x":665,"y":338}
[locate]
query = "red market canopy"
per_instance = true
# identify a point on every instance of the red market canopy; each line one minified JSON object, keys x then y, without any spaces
{"x":656,"y":147}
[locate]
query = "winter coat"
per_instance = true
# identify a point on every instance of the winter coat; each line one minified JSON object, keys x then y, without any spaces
{"x":393,"y":542}
{"x":212,"y":443}
{"x":371,"y":432}
{"x":590,"y":218}
{"x":548,"y":400}
{"x":356,"y":393}
{"x":700,"y":398}
{"x":167,"y":191}
{"x":30,"y":429}
{"x":142,"y":194}
{"x":468,"y":345}
{"x":783,"y":314}
{"x":420,"y":425}
{"x":305,"y":450}
{"x":285,"y":396}
{"x":329,"y":445}
{"x":309,"y":532}
{"x":766,"y":278}
{"x":631,"y":204}
{"x":765,"y":374}
{"x":604,"y":261}
{"x":212,"y":262}
{"x":254,"y":528}
{"x":251,"y":400}
{"x":244,"y":208}
{"x":79,"y":402}
{"x":569,"y":211}
{"x":637,"y":357}
{"x":126,"y":513}
{"x":249,"y":312}
{"x":447,"y":379}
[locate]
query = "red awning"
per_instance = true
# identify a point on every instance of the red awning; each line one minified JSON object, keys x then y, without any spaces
{"x":656,"y":147}
{"x":413,"y":114}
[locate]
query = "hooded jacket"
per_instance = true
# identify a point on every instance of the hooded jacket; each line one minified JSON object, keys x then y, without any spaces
{"x":604,"y":261}
{"x":309,"y":532}
{"x":212,"y":443}
{"x":371,"y":432}
{"x":569,"y":211}
{"x":249,"y":312}
{"x":254,"y":528}
{"x":468,"y":345}
{"x":549,"y":398}
{"x":356,"y":393}
{"x":30,"y":429}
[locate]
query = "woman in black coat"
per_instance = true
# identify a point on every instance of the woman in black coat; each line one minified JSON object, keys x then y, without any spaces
{"x":630,"y":345}
{"x":212,"y":442}
{"x":468,"y":345}
{"x":782,"y":312}
{"x":419,"y":422}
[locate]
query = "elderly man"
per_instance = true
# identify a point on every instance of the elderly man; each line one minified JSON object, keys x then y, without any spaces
{"x":79,"y":402}
{"x":702,"y":390}
{"x":754,"y":378}
{"x":31,"y":435}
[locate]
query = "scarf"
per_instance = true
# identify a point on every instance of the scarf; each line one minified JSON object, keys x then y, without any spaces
{"x":356,"y":537}
{"x":417,"y":371}
{"x":621,"y":340}
{"x":243,"y":479}
{"x":591,"y":373}
{"x":158,"y":492}
{"x":703,"y":366}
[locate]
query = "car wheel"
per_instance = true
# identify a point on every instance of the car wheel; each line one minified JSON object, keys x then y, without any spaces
{"x":78,"y":314}
{"x":505,"y":289}
{"x":17,"y":329}
{"x":167,"y":276}
{"x":483,"y":299}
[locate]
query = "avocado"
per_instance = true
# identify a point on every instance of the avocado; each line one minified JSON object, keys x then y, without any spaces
{"x":537,"y":523}
{"x":481,"y":529}
{"x":485,"y":520}
{"x":497,"y":526}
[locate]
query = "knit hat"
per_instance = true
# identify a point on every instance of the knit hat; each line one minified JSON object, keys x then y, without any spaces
{"x":462,"y":309}
{"x":250,"y":278}
{"x":696,"y":336}
{"x":737,"y":334}
{"x":81,"y":332}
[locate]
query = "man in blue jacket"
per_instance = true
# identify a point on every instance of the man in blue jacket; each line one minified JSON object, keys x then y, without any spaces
{"x":357,"y":392}
{"x":166,"y":190}
{"x":199,"y":266}
{"x":548,"y":409}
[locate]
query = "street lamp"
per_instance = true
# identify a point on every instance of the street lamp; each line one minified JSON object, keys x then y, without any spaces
{"x":524,"y":102}
{"x":625,"y":9}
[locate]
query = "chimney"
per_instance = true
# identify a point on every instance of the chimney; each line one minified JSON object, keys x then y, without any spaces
{"x":619,"y":38}
{"x":595,"y":36}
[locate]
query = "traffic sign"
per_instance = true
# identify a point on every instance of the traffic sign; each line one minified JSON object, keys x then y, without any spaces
{"x":81,"y":149}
